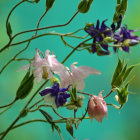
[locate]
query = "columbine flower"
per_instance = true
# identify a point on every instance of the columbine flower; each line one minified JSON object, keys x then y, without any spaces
{"x":97,"y":107}
{"x":55,"y":95}
{"x":43,"y":67}
{"x":125,"y":39}
{"x":99,"y":33}
{"x":76,"y":76}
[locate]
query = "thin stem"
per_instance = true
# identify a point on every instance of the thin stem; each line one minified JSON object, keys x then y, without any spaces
{"x":58,"y":114}
{"x":4,"y":110}
{"x":88,"y":94}
{"x":112,"y":90}
{"x":9,"y":103}
{"x":36,"y":120}
{"x":7,"y":20}
{"x":14,"y":122}
{"x":14,"y":57}
{"x":39,"y":107}
{"x":117,"y":107}
{"x":48,"y":27}
{"x":36,"y":103}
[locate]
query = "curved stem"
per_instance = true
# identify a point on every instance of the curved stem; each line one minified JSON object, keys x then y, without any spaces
{"x":88,"y":94}
{"x":9,"y":103}
{"x":40,"y":21}
{"x":7,"y":20}
{"x":112,"y":90}
{"x":48,"y":27}
{"x":14,"y":58}
{"x":117,"y":107}
{"x":18,"y":117}
{"x":36,"y":120}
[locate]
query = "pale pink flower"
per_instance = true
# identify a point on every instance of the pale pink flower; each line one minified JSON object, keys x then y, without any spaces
{"x":43,"y":67}
{"x":76,"y":76}
{"x":97,"y":108}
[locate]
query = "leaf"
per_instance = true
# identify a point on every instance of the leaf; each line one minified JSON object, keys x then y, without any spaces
{"x":58,"y":130}
{"x":49,"y":4}
{"x":9,"y":30}
{"x":129,"y":69}
{"x":69,"y":128}
{"x":47,"y":116}
{"x":117,"y":72}
{"x":25,"y":86}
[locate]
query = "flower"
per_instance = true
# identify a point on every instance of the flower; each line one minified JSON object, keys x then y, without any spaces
{"x":55,"y":95}
{"x":76,"y":76}
{"x":125,"y":39}
{"x":97,"y":108}
{"x":43,"y":67}
{"x":98,"y":34}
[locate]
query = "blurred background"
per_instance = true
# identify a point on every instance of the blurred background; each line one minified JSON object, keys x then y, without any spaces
{"x":120,"y":125}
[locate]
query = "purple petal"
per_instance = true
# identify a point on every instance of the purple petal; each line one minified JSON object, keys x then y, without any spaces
{"x":105,"y":46}
{"x":46,"y":91}
{"x":126,"y":49}
{"x":97,"y":25}
{"x":103,"y":26}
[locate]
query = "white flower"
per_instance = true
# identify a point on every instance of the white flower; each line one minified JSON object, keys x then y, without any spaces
{"x":76,"y":76}
{"x":43,"y":67}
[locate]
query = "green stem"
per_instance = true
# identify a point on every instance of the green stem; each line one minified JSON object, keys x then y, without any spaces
{"x":48,"y":27}
{"x":18,"y":117}
{"x":112,"y":90}
{"x":8,"y":17}
{"x":9,"y":103}
{"x":117,"y":107}
{"x":88,"y":94}
{"x":14,"y":57}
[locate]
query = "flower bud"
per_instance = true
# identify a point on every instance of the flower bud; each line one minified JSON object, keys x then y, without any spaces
{"x":109,"y":39}
{"x":84,"y":6}
{"x":97,"y":108}
{"x":54,"y":79}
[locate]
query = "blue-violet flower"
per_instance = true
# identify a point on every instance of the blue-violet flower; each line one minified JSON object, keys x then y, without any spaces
{"x":55,"y":95}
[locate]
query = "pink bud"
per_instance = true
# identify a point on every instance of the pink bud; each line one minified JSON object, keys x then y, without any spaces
{"x":97,"y":108}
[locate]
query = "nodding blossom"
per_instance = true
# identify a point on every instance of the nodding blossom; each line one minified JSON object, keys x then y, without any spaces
{"x":99,"y":33}
{"x":125,"y":39}
{"x":55,"y":95}
{"x":97,"y":108}
{"x":43,"y":67}
{"x":76,"y":76}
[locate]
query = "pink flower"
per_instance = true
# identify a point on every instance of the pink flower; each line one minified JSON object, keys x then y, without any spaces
{"x":97,"y":108}
{"x":43,"y":67}
{"x":76,"y":76}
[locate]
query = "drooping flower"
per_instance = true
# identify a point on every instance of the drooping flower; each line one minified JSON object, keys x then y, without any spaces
{"x":55,"y":95}
{"x":43,"y":67}
{"x":97,"y":108}
{"x":99,"y":33}
{"x":76,"y":76}
{"x":125,"y":39}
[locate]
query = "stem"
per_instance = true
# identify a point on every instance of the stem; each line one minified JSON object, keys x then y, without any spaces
{"x":9,"y":103}
{"x":40,"y":21}
{"x":117,"y":107}
{"x":4,"y":110}
{"x":112,"y":90}
{"x":7,"y":20}
{"x":48,"y":27}
{"x":36,"y":103}
{"x":36,"y":120}
{"x":14,"y":122}
{"x":85,"y":93}
{"x":14,"y":57}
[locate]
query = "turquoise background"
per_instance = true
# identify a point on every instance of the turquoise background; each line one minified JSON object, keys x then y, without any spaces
{"x":120,"y":125}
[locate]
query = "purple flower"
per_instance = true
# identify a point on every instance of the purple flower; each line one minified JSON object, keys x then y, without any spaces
{"x":55,"y":95}
{"x":99,"y":33}
{"x":125,"y":38}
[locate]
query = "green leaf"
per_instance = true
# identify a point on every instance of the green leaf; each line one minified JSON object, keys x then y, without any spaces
{"x":129,"y":69}
{"x":49,"y":4}
{"x":117,"y":72}
{"x":84,"y":6}
{"x":25,"y":86}
{"x":9,"y":30}
{"x":69,"y":128}
{"x":47,"y":116}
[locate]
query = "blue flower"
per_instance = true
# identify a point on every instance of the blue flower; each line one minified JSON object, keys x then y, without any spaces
{"x":125,"y":39}
{"x":56,"y":95}
{"x":99,"y":33}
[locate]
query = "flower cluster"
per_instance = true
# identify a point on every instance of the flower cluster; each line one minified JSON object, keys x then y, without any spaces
{"x":103,"y":35}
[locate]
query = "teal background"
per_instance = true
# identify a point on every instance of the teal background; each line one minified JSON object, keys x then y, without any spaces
{"x":120,"y":125}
